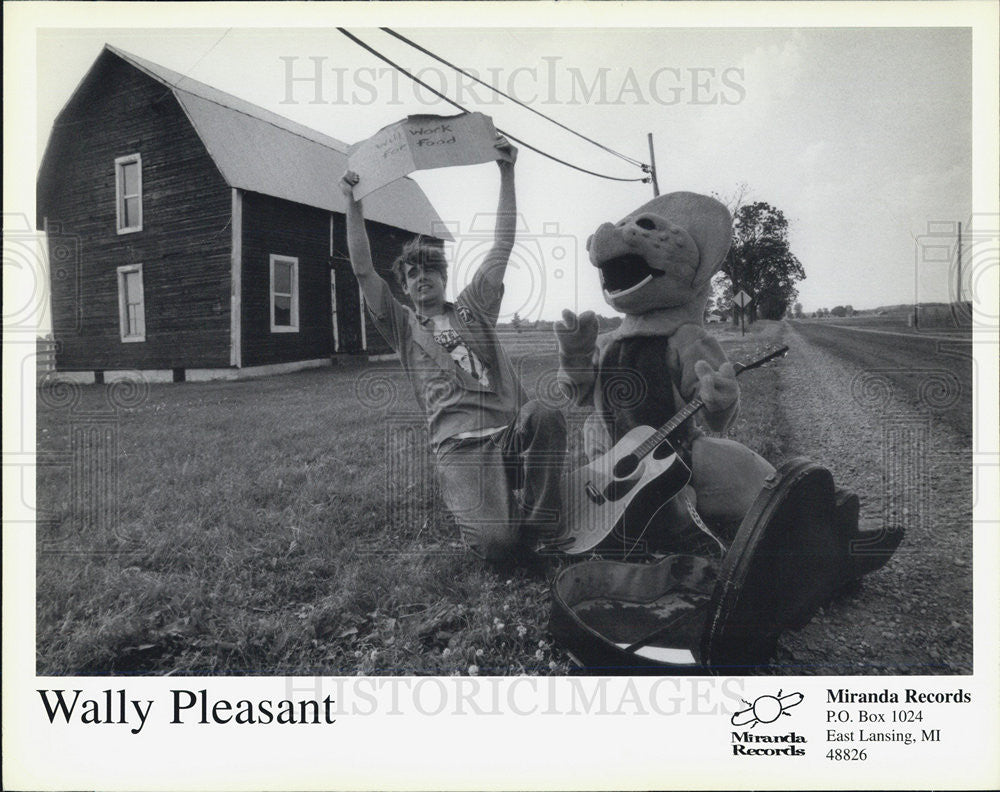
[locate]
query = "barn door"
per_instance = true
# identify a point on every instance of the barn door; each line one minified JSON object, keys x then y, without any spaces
{"x":347,"y":320}
{"x":333,"y":310}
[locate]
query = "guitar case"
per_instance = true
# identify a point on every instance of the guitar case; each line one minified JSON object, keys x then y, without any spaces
{"x":687,"y":614}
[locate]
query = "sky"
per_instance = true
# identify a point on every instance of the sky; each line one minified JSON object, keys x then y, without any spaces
{"x":862,"y":137}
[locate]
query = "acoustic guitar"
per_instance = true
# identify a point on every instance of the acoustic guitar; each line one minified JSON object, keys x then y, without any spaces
{"x":623,"y":489}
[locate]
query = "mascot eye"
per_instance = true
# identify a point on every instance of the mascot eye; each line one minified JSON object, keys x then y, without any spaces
{"x":646,"y":224}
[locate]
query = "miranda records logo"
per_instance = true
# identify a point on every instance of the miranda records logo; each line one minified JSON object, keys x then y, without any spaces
{"x":766,"y":709}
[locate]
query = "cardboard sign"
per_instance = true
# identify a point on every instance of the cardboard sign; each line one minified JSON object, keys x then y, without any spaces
{"x":421,"y":142}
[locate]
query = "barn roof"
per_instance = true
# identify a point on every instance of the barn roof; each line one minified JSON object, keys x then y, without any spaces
{"x":263,"y":152}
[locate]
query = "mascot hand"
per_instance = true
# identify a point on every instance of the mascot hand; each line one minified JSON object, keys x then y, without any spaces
{"x":576,"y":335}
{"x":718,"y":389}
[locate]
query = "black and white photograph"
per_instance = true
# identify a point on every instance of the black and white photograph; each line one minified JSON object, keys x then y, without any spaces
{"x":546,"y":352}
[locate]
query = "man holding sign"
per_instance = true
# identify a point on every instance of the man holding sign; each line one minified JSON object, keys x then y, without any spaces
{"x":500,"y":457}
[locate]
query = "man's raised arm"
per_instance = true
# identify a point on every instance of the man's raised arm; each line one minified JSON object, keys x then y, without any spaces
{"x":486,"y":288}
{"x":383,"y":305}
{"x":358,"y":246}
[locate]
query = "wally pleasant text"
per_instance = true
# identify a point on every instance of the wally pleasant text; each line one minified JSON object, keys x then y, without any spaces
{"x":187,"y":706}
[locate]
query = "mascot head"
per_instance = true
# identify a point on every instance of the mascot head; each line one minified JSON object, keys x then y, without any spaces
{"x":662,"y":255}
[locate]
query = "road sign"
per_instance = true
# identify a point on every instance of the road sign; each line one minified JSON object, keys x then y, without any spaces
{"x":743,"y":300}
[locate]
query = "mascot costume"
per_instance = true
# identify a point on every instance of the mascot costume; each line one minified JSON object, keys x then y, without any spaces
{"x":656,"y":267}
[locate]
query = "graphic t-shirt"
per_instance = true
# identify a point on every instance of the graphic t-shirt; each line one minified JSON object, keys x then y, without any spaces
{"x":455,"y":345}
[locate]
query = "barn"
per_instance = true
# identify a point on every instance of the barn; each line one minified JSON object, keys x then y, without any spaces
{"x":193,"y":235}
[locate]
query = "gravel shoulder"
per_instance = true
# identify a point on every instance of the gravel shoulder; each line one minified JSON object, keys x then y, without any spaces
{"x":885,"y":438}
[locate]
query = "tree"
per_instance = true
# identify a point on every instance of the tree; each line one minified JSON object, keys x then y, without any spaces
{"x":760,"y":261}
{"x":838,"y":310}
{"x":797,"y":310}
{"x":516,"y":322}
{"x":720,"y":299}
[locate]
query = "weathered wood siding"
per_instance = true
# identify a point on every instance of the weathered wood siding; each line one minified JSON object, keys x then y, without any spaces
{"x":183,"y":246}
{"x":272,"y":226}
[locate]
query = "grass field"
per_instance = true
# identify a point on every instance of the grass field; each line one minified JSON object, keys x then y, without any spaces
{"x":286,"y":526}
{"x":932,"y":317}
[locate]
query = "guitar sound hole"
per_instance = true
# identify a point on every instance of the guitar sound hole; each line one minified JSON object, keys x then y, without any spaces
{"x":663,"y":450}
{"x":626,"y":465}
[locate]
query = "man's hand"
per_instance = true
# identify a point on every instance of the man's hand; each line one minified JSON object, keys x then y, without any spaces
{"x":347,"y":183}
{"x":717,"y":389}
{"x":576,"y":335}
{"x":507,"y":152}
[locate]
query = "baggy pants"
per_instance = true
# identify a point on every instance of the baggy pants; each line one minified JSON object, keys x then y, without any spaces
{"x":727,"y":477}
{"x":480,"y":479}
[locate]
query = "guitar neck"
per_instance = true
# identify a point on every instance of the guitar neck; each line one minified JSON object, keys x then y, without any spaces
{"x":692,"y":407}
{"x":669,"y":427}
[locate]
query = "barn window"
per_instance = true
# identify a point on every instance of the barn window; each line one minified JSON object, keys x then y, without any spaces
{"x":284,"y":294}
{"x":131,"y":304}
{"x":128,"y":186}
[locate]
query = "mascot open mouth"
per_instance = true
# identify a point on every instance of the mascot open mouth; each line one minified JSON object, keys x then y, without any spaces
{"x":623,"y":274}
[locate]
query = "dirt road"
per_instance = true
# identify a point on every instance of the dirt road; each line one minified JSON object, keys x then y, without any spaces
{"x":930,"y":369}
{"x":891,"y":415}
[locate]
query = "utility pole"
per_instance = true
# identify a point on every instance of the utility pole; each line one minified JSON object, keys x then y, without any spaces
{"x":652,"y":165}
{"x":958,"y":282}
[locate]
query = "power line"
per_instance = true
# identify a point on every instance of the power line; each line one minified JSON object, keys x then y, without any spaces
{"x":205,"y":55}
{"x":170,"y":85}
{"x":191,"y":68}
{"x":452,"y":102}
{"x":493,"y":88}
